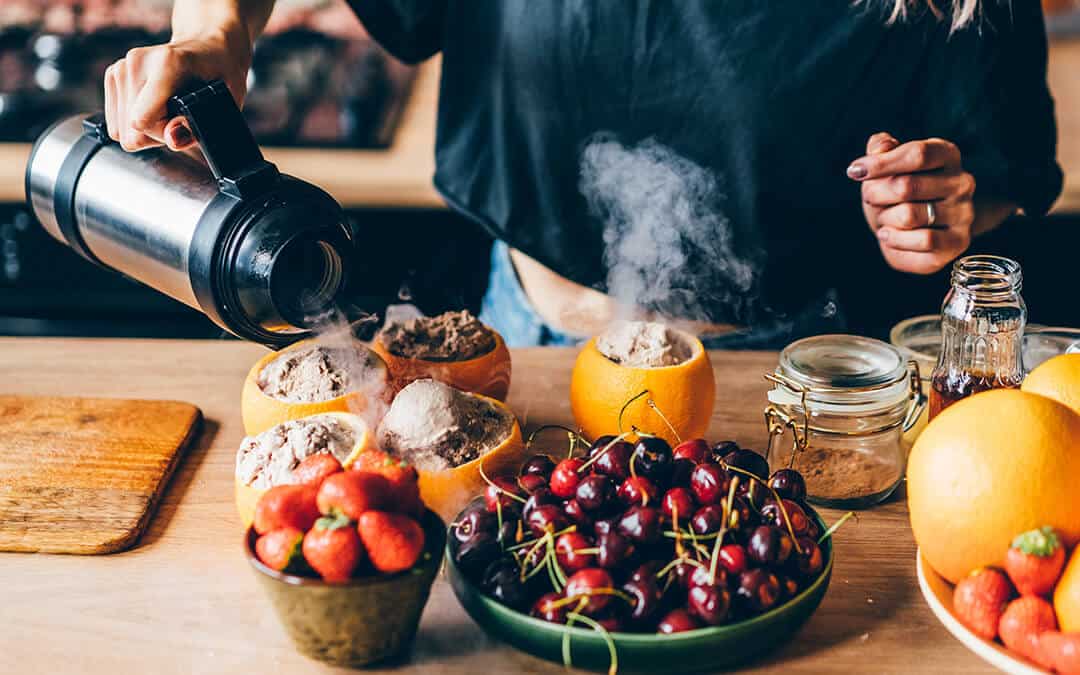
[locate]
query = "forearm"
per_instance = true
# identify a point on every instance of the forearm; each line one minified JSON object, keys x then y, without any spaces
{"x":233,"y":19}
{"x":989,"y":214}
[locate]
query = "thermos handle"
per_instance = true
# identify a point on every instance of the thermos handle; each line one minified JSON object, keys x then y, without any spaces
{"x":225,"y":139}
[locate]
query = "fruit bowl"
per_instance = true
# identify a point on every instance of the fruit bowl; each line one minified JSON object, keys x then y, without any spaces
{"x":362,"y":621}
{"x":939,"y":593}
{"x":707,"y":648}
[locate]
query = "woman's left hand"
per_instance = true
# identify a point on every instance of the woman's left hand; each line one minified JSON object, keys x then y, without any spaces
{"x":918,"y":199}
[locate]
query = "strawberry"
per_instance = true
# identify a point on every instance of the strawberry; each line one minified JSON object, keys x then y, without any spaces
{"x":286,"y":506}
{"x":393,"y":541}
{"x":979,"y":600}
{"x":370,"y":460}
{"x":1024,"y":620}
{"x":404,"y":481}
{"x":353,"y":492}
{"x":1034,"y":561}
{"x":315,"y":468}
{"x":1059,"y":652}
{"x":333,"y":549}
{"x":280,"y":549}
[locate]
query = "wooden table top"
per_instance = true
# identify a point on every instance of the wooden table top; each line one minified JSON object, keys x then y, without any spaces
{"x":184,"y":601}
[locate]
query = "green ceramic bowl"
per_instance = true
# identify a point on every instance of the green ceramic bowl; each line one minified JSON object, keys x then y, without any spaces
{"x":711,"y":648}
{"x":361,"y":622}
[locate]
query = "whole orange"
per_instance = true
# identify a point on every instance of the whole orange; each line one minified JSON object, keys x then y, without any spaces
{"x":683,"y":394}
{"x":1057,"y":378}
{"x":988,"y":467}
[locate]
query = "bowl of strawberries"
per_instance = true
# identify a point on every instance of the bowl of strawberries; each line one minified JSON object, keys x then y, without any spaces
{"x":347,"y":558}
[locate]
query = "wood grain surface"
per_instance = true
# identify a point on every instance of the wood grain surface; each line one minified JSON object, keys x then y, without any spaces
{"x":83,"y":475}
{"x":184,"y":601}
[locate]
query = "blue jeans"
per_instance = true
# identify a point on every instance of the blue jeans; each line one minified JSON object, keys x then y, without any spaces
{"x":507,"y":309}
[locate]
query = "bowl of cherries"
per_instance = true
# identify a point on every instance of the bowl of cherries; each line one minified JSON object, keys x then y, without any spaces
{"x":644,"y":555}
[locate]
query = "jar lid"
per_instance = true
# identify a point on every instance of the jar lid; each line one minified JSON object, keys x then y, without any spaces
{"x":842,"y":370}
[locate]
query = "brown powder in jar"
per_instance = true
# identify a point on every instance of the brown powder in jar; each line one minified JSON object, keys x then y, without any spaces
{"x":451,"y":336}
{"x":844,"y":473}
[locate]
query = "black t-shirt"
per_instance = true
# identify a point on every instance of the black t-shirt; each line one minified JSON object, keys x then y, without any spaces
{"x":773,"y":97}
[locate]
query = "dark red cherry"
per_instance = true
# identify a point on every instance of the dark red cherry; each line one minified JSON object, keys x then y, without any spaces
{"x":696,"y":450}
{"x":722,"y":448}
{"x":538,"y":498}
{"x":733,"y":559}
{"x":742,"y":517}
{"x":604,"y":525}
{"x":747,"y":460}
{"x":800,"y":522}
{"x":546,"y":518}
{"x":707,"y":519}
{"x":789,"y":484}
{"x":681,"y":470}
{"x":565,"y":478}
{"x":652,"y":459}
{"x":599,"y":444}
{"x":615,"y":549}
{"x":709,"y":483}
{"x":700,"y":576}
{"x":641,"y":524}
{"x":615,"y":462}
{"x":758,"y":590}
{"x":646,"y":570}
{"x":473,"y":521}
{"x":538,"y":465}
{"x":503,"y":582}
{"x":789,"y":588}
{"x":547,"y":608}
{"x":594,"y":492}
{"x":583,"y":584}
{"x":810,"y":560}
{"x":753,"y":492}
{"x":710,"y":604}
{"x":646,"y":597}
{"x":474,"y":555}
{"x":496,"y":493}
{"x":568,"y":549}
{"x":769,"y":545}
{"x":678,"y":502}
{"x":511,"y":533}
{"x":677,"y":621}
{"x":531,"y":482}
{"x":638,"y":491}
{"x":578,"y":516}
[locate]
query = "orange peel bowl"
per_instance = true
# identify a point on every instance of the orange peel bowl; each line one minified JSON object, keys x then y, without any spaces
{"x":247,"y":496}
{"x":261,"y":412}
{"x":487,"y":374}
{"x":447,"y":492}
{"x":684,"y":393}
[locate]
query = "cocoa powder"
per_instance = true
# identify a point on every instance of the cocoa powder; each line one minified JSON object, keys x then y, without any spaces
{"x":452,"y":336}
{"x":845,"y":473}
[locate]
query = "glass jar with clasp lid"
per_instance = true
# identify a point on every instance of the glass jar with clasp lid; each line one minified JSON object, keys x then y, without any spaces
{"x":845,"y":401}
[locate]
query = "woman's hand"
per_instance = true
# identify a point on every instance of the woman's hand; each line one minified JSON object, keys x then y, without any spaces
{"x":918,"y":199}
{"x":212,"y":39}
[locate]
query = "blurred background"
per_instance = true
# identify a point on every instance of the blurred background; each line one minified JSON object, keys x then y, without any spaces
{"x":330,"y":106}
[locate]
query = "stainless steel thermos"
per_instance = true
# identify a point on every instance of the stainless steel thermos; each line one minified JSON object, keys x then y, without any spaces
{"x":264,"y":255}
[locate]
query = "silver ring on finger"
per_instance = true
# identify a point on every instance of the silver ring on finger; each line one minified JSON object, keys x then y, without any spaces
{"x":931,"y":214}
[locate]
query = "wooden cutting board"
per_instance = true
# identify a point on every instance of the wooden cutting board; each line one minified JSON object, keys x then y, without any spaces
{"x":83,"y":475}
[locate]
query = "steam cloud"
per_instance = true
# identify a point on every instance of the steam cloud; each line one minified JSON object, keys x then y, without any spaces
{"x":668,"y":246}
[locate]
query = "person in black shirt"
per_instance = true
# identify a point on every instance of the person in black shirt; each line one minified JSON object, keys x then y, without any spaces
{"x":730,"y":163}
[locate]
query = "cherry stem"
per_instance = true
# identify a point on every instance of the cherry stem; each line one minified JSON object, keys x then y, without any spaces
{"x":553,"y":562}
{"x":627,"y":405}
{"x":592,"y":550}
{"x":532,"y":436}
{"x":589,"y":462}
{"x":649,"y":402}
{"x":511,"y":495}
{"x":613,"y":653}
{"x":728,"y":504}
{"x":836,"y":526}
{"x":556,"y":604}
{"x":685,"y":533}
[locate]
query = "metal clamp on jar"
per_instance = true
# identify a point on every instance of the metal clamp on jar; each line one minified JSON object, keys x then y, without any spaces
{"x":846,"y":401}
{"x":264,"y":255}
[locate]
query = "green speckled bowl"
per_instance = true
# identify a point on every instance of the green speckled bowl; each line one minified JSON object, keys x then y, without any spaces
{"x":366,"y":620}
{"x":711,"y":648}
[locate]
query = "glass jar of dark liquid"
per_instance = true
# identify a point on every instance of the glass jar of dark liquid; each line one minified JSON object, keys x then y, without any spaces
{"x":982,"y":331}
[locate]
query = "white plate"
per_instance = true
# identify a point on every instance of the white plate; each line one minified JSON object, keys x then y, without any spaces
{"x":938,"y":593}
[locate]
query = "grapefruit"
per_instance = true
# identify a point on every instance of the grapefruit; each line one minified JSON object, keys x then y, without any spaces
{"x":683,"y":393}
{"x":1057,"y":378}
{"x":989,"y":466}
